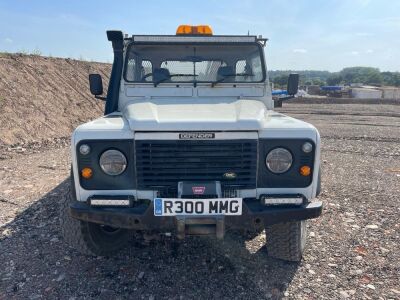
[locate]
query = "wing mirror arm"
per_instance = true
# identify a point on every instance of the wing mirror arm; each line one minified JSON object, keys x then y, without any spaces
{"x":101,"y":98}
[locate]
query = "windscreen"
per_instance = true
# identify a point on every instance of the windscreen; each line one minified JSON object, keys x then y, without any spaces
{"x":179,"y":63}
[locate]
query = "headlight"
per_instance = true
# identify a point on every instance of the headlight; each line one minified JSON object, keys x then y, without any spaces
{"x":113,"y":162}
{"x":279,"y":160}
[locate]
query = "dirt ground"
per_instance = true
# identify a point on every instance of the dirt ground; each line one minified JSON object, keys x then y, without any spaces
{"x":352,"y":252}
{"x":34,"y":89}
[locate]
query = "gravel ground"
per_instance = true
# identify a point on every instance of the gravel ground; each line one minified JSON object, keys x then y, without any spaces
{"x":353,"y":249}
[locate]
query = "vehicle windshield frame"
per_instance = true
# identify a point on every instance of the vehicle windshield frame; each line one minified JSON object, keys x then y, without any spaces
{"x":257,"y":44}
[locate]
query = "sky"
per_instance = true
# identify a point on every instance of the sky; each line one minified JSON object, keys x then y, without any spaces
{"x":303,"y":34}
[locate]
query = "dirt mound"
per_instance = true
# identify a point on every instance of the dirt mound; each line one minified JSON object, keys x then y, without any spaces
{"x":43,"y":98}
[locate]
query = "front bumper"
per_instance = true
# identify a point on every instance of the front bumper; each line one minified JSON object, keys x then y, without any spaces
{"x":141,"y":217}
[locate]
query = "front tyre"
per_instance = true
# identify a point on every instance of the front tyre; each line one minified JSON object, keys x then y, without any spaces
{"x":89,"y":238}
{"x":286,"y":241}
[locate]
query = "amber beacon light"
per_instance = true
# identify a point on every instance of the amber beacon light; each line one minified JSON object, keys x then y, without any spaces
{"x":194,"y":30}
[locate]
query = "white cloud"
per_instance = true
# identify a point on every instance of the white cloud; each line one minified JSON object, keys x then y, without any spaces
{"x":8,"y":40}
{"x":300,"y":50}
{"x":369,"y":51}
{"x":355,"y":53}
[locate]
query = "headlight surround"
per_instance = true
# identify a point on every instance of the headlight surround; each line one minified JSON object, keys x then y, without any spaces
{"x":279,"y":160}
{"x":113,"y":162}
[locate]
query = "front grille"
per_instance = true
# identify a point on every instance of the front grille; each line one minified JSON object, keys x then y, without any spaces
{"x":161,"y":164}
{"x":229,"y":193}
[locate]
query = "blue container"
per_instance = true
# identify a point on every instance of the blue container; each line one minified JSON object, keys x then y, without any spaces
{"x":279,"y":92}
{"x":331,"y":88}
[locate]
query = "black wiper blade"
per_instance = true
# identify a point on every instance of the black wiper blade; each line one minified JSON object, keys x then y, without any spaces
{"x":170,"y":76}
{"x":229,"y":75}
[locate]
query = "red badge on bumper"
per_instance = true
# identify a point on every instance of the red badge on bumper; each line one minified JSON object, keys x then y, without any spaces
{"x":198,"y":190}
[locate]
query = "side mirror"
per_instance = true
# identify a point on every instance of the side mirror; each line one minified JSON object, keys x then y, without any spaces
{"x":293,"y":84}
{"x":96,"y":84}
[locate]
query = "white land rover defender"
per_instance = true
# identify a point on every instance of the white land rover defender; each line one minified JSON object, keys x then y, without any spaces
{"x":190,"y":145}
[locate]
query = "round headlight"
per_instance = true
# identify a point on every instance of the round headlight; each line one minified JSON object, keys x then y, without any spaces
{"x":113,"y":162}
{"x":279,"y":160}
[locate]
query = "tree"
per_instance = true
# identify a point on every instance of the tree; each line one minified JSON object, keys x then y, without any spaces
{"x":334,"y":79}
{"x":365,"y":75}
{"x":391,"y":78}
{"x":280,"y":80}
{"x":318,"y":81}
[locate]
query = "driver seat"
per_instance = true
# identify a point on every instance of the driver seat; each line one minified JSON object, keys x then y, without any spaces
{"x":225,"y":71}
{"x":161,"y":74}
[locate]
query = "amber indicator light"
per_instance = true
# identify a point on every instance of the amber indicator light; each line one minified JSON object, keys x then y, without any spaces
{"x":305,"y":170}
{"x":87,"y":173}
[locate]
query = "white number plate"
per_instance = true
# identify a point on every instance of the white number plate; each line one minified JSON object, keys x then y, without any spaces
{"x":189,"y":207}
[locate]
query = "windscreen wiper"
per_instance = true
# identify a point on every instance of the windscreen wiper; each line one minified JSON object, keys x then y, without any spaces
{"x":170,"y":76}
{"x":229,"y":75}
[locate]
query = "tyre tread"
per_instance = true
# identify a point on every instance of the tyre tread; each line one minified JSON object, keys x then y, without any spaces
{"x":284,"y":241}
{"x":71,"y":228}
